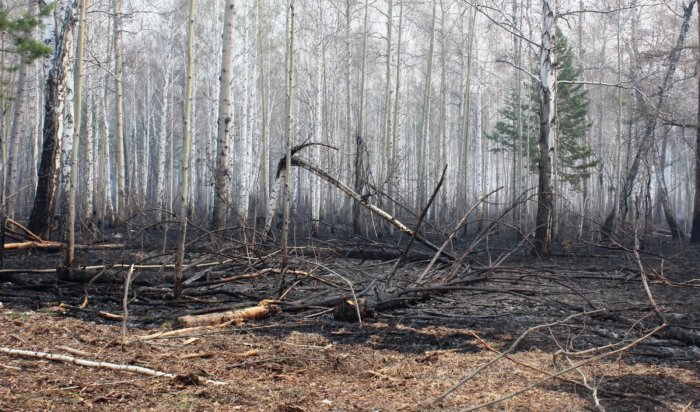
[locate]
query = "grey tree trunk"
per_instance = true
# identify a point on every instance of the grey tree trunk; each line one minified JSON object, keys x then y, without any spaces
{"x":359,"y":166}
{"x":70,"y":253}
{"x":289,"y":140}
{"x":221,"y":203}
{"x":619,"y":213}
{"x":119,"y":110}
{"x":185,"y":167}
{"x":544,"y":220}
{"x":695,"y":230}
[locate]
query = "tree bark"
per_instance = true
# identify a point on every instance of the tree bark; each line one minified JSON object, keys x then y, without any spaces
{"x":695,"y":230}
{"x":17,"y":117}
{"x":219,"y":213}
{"x":544,"y":221}
{"x":119,"y":110}
{"x":41,"y":218}
{"x":423,"y":147}
{"x":289,"y":139}
{"x":70,"y":253}
{"x":186,"y":144}
{"x":360,"y":175}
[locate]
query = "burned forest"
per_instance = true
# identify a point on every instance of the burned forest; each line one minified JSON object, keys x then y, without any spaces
{"x":349,"y":205}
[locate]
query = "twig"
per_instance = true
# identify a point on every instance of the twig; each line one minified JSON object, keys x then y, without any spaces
{"x":563,"y":371}
{"x":452,"y":235}
{"x":418,"y":225}
{"x":127,"y":283}
{"x":96,"y":364}
{"x":72,"y":351}
{"x":511,"y":349}
{"x":352,"y":290}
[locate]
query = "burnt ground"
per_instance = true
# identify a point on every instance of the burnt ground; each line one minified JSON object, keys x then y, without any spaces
{"x":403,"y":358}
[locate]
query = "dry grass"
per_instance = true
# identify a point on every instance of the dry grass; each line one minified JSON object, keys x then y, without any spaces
{"x":274,"y":367}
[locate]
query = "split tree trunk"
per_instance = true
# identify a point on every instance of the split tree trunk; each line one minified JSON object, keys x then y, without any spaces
{"x":41,"y":218}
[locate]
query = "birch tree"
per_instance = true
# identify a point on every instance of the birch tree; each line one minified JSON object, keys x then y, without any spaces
{"x":695,"y":230}
{"x":289,"y":139}
{"x":61,"y":39}
{"x":359,"y":166}
{"x":163,"y":138}
{"x":119,"y":108}
{"x":219,"y":213}
{"x":186,"y":144}
{"x":544,"y":220}
{"x":18,"y":111}
{"x":90,"y":152}
{"x":619,"y":213}
{"x":423,"y":146}
{"x":70,"y":253}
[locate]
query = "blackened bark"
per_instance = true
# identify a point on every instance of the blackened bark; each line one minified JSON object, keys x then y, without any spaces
{"x":695,"y":231}
{"x":360,"y":183}
{"x":41,"y":218}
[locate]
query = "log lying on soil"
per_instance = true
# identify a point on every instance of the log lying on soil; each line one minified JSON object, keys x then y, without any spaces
{"x":44,"y":245}
{"x":50,"y":246}
{"x":263,"y":310}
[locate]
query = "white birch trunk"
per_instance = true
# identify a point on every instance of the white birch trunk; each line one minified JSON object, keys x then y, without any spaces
{"x":424,"y":146}
{"x":479,"y":142}
{"x":219,"y":213}
{"x":289,"y":140}
{"x":388,"y":104}
{"x":146,"y":162}
{"x":121,"y":169}
{"x":245,"y":140}
{"x":68,"y":130}
{"x":264,"y":140}
{"x":318,"y":129}
{"x":163,"y":142}
{"x":91,"y":154}
{"x":77,"y":109}
{"x":186,"y":143}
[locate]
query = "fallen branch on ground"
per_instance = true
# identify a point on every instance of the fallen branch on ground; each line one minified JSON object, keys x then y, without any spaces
{"x":96,"y":364}
{"x":263,"y":310}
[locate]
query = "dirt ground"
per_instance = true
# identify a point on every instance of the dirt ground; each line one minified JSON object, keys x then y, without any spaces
{"x":402,"y":359}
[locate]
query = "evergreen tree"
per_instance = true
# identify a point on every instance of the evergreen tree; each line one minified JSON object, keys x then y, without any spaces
{"x":574,"y":156}
{"x":21,"y":29}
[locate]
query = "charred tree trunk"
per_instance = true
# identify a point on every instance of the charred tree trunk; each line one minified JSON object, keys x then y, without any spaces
{"x":695,"y":231}
{"x":41,"y":218}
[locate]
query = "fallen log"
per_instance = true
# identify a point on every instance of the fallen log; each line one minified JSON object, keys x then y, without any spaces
{"x":264,"y":309}
{"x":51,"y":246}
{"x":44,"y":245}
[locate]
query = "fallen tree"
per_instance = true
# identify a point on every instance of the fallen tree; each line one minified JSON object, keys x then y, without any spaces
{"x":362,"y":200}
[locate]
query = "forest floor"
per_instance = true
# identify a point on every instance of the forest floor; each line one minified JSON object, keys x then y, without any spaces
{"x":399,"y":359}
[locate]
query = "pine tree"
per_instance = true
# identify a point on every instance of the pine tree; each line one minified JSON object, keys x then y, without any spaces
{"x":21,"y":29}
{"x":574,"y":156}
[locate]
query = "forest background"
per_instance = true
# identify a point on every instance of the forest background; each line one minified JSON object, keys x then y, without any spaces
{"x":381,"y":96}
